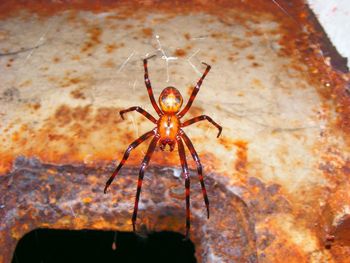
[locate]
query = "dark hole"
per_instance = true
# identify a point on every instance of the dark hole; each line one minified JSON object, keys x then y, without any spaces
{"x":47,"y":246}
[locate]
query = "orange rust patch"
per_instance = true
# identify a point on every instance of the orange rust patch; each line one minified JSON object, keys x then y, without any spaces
{"x":35,"y":106}
{"x":107,"y":116}
{"x":68,"y":81}
{"x":110,"y":48}
{"x":147,"y":32}
{"x":180,"y":52}
{"x":56,"y":137}
{"x":241,"y":43}
{"x":75,"y":57}
{"x":250,"y":57}
{"x":77,"y":94}
{"x":187,"y":36}
{"x":56,"y":59}
{"x":242,"y":156}
{"x":227,"y":142}
{"x":342,"y":232}
{"x":291,"y":252}
{"x":70,"y":135}
{"x":81,"y":113}
{"x":94,"y":34}
{"x":109,"y":63}
{"x":63,"y":115}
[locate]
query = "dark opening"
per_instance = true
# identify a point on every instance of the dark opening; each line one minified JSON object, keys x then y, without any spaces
{"x":47,"y":245}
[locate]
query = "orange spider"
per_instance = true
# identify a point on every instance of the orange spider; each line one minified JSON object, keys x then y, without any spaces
{"x":168,"y":132}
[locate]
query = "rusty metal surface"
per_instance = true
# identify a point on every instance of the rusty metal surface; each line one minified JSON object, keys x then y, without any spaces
{"x":74,"y":203}
{"x":277,"y":178}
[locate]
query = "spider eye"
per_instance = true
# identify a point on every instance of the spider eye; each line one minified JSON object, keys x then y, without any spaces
{"x":170,"y":100}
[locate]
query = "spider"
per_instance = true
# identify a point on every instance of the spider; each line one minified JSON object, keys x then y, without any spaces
{"x":168,"y":132}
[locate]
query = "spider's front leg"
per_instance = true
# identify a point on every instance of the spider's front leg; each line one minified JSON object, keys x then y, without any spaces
{"x":140,"y":110}
{"x":183,"y":161}
{"x":144,"y":164}
{"x":149,"y":89}
{"x":194,"y":92}
{"x":202,"y":118}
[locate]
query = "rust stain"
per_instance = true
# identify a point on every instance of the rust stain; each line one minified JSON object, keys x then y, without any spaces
{"x":34,"y":106}
{"x":147,"y":32}
{"x":109,"y":64}
{"x":77,"y":94}
{"x":241,"y":43}
{"x":242,"y":156}
{"x":111,"y":48}
{"x":295,"y":42}
{"x":70,"y":135}
{"x":56,"y":59}
{"x":342,"y":231}
{"x":250,"y":57}
{"x":180,"y":52}
{"x":94,"y":34}
{"x":287,"y":250}
{"x":63,"y":115}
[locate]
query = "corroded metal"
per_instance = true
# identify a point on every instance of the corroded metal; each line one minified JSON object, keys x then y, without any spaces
{"x":277,"y":180}
{"x":77,"y":202}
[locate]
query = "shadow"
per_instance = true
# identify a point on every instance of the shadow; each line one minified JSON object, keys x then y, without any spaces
{"x":48,"y":245}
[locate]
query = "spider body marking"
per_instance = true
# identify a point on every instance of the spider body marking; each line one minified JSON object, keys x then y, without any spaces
{"x":170,"y":101}
{"x":168,"y":132}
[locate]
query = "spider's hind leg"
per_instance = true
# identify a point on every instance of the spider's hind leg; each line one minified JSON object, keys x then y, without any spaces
{"x":144,"y":164}
{"x":126,"y":156}
{"x":187,"y":183}
{"x":199,"y":168}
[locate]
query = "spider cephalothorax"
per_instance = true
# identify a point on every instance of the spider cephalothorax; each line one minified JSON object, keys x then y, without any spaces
{"x":170,"y":100}
{"x":168,"y":132}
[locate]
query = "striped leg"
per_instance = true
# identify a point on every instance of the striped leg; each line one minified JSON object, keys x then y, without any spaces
{"x":187,"y":182}
{"x":194,"y":92}
{"x":144,"y":164}
{"x":140,"y":110}
{"x":202,"y":118}
{"x":199,"y":168}
{"x":126,"y":156}
{"x":149,"y":89}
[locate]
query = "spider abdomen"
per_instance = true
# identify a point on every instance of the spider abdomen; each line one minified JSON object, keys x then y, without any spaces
{"x":168,"y":127}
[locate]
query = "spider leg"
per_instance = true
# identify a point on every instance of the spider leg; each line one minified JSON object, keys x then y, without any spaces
{"x":199,"y":167}
{"x":182,"y":155}
{"x":126,"y":156}
{"x":194,"y":92}
{"x":149,"y":89}
{"x":140,"y":110}
{"x":144,"y":164}
{"x":201,"y":118}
